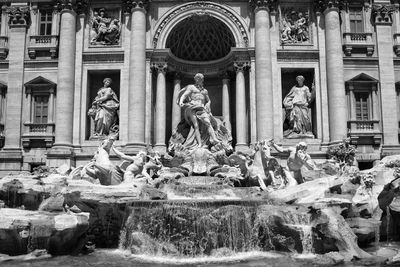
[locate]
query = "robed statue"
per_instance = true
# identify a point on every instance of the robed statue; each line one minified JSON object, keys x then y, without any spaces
{"x":297,"y":110}
{"x":104,"y":110}
{"x":199,"y":128}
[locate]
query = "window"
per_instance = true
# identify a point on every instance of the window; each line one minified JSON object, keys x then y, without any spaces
{"x":41,"y":105}
{"x":45,"y":22}
{"x":356,"y":19}
{"x":362,"y":106}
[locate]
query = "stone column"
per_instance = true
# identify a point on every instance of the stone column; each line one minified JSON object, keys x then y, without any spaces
{"x":241,"y":138}
{"x":383,"y":28}
{"x":137,"y":75}
{"x":375,"y":104}
{"x":161,"y":107}
{"x":352,"y":103}
{"x":334,"y":69}
{"x":176,"y":109}
{"x":17,"y":37}
{"x":225,"y":101}
{"x":3,"y":20}
{"x":62,"y":153}
{"x":263,"y":69}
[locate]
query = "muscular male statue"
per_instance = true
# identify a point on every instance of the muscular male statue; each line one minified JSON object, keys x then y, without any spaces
{"x":298,"y":158}
{"x":196,"y":104}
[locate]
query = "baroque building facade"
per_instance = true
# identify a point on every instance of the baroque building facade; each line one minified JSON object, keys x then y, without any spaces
{"x":256,"y":57}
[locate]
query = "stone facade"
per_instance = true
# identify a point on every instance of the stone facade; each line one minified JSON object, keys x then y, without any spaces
{"x":54,"y":56}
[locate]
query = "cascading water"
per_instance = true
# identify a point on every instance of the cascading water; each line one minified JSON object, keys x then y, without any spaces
{"x":197,"y":228}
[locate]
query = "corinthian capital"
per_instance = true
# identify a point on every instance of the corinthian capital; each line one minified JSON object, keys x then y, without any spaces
{"x":79,"y":6}
{"x":322,"y":5}
{"x":382,"y":14}
{"x":269,"y":5}
{"x":129,"y":5}
{"x":241,"y":65}
{"x":19,"y":16}
{"x":160,"y":66}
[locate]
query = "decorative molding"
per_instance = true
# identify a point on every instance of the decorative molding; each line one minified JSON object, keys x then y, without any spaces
{"x":298,"y":55}
{"x":269,"y":5}
{"x":323,"y":5}
{"x":203,"y":6}
{"x":177,"y":76}
{"x":19,"y":16}
{"x":103,"y":57}
{"x":41,"y":63}
{"x":128,"y":6}
{"x":382,"y":14}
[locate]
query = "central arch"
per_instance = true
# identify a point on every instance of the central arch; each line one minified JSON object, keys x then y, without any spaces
{"x":200,"y":38}
{"x":224,"y":14}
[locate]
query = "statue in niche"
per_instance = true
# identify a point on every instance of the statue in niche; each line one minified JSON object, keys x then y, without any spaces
{"x":297,"y":112}
{"x":105,"y":30}
{"x":199,"y":128}
{"x":104,"y":110}
{"x":294,"y":27}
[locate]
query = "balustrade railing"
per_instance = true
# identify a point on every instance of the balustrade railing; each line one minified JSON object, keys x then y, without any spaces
{"x":42,"y":43}
{"x":363,"y":126}
{"x":361,"y":40}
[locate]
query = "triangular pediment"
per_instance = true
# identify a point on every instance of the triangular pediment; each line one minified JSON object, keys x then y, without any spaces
{"x":39,"y":81}
{"x":362,"y":77}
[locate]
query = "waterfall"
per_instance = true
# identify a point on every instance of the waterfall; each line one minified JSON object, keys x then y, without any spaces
{"x":388,"y":218}
{"x":307,"y":239}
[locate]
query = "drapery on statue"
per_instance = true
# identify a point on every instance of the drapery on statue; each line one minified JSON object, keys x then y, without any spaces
{"x":297,"y":111}
{"x":199,"y":128}
{"x":104,"y":110}
{"x":105,"y":30}
{"x":298,"y":158}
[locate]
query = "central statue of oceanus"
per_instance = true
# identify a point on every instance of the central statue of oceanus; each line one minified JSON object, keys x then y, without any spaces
{"x":199,"y":128}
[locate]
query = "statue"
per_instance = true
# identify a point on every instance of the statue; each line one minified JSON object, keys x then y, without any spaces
{"x":104,"y":110}
{"x":295,"y":27}
{"x":199,"y":128}
{"x":297,"y":112}
{"x":298,"y":158}
{"x":100,"y":167}
{"x":134,"y":171}
{"x":106,"y":30}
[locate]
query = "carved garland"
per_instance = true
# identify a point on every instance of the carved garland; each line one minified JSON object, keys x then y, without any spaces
{"x":201,"y":5}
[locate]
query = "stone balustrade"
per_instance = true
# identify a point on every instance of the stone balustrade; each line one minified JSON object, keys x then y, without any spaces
{"x":43,"y":132}
{"x":365,"y":129}
{"x":47,"y":43}
{"x":358,"y":41}
{"x":3,"y":47}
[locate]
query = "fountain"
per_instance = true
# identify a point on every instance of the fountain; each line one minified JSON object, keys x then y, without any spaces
{"x":199,"y":200}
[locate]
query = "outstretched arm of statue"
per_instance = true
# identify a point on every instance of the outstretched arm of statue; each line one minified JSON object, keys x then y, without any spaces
{"x":122,"y":155}
{"x":279,"y":148}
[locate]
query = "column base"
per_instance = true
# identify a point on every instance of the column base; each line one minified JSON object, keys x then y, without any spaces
{"x":134,"y":148}
{"x":388,"y":150}
{"x":160,"y":148}
{"x":60,"y":154}
{"x":11,"y":160}
{"x":242,"y":148}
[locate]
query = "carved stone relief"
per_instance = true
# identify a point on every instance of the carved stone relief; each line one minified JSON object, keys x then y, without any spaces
{"x":295,"y":26}
{"x":105,"y":27}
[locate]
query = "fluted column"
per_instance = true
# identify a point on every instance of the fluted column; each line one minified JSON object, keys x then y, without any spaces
{"x":382,"y":17}
{"x":225,"y":101}
{"x":263,"y":71}
{"x":161,"y":107}
{"x":18,"y":23}
{"x":176,"y":109}
{"x":334,"y":69}
{"x":241,"y":138}
{"x":137,"y":75}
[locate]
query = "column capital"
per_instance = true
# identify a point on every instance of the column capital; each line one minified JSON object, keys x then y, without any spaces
{"x":225,"y":75}
{"x":269,"y":5}
{"x":19,"y":16}
{"x":128,"y":6}
{"x":382,"y":14}
{"x":241,"y":65}
{"x":177,"y":76}
{"x":159,"y":66}
{"x":328,"y":5}
{"x":79,"y":6}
